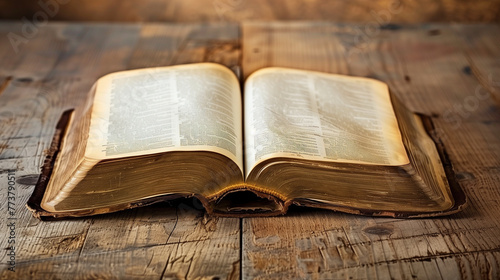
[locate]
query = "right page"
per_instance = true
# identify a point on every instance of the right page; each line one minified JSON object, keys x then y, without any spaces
{"x":342,"y":143}
{"x":317,"y":116}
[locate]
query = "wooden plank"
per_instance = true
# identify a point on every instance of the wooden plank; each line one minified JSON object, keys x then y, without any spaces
{"x":483,"y":53}
{"x":53,"y":71}
{"x":239,"y":10}
{"x":426,"y":67}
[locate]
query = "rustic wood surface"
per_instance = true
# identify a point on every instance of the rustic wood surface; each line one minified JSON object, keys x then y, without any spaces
{"x":395,"y":11}
{"x":53,"y":72}
{"x":439,"y":70}
{"x":450,"y":72}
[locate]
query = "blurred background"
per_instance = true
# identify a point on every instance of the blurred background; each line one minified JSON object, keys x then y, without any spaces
{"x":445,"y":11}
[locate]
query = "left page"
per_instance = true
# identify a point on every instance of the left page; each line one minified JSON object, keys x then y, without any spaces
{"x":194,"y":107}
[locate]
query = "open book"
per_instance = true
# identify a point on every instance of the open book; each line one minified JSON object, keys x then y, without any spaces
{"x":295,"y":137}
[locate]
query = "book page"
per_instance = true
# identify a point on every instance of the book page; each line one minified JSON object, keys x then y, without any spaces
{"x":194,"y":107}
{"x":318,"y":116}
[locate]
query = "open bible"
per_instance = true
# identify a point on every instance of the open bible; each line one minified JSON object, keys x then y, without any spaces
{"x":292,"y":137}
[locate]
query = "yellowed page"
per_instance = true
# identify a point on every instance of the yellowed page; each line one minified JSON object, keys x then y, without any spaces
{"x":318,"y":116}
{"x":194,"y":107}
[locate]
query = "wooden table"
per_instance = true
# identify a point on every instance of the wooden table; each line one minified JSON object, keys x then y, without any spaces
{"x":448,"y":71}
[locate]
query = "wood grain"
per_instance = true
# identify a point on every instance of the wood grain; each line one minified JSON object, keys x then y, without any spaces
{"x":392,"y":11}
{"x":54,"y":71}
{"x":427,"y":68}
{"x":482,"y":51}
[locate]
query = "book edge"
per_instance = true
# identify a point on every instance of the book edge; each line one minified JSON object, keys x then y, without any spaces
{"x":34,"y":202}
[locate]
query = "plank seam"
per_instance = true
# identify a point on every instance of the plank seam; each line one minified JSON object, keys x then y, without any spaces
{"x":241,"y":248}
